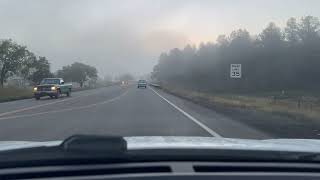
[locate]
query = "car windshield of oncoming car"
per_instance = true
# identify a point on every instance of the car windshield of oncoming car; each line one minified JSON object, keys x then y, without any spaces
{"x":50,"y":81}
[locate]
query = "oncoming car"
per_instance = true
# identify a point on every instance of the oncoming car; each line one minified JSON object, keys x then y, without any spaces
{"x":52,"y":87}
{"x":142,"y":83}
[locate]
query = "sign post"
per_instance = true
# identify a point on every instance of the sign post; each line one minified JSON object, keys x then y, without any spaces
{"x":235,"y":71}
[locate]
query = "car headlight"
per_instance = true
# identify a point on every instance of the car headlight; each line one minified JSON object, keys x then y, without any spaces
{"x":53,"y":88}
{"x":35,"y":88}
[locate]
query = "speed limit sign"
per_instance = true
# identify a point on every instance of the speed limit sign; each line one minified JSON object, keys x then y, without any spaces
{"x":235,"y":71}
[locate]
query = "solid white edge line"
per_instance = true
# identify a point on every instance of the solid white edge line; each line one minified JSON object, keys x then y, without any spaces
{"x":210,"y":131}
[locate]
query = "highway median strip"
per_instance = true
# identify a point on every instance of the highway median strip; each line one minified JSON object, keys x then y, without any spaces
{"x":41,"y":105}
{"x":67,"y":109}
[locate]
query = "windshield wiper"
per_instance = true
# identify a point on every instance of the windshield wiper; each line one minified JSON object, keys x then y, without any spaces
{"x":77,"y":149}
{"x":95,"y":144}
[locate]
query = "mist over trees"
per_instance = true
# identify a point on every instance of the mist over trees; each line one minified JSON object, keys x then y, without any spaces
{"x":276,"y":59}
{"x":18,"y":60}
{"x":40,"y":69}
{"x":78,"y":72}
{"x":124,"y":77}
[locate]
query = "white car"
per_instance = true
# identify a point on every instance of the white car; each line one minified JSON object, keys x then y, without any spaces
{"x":142,"y":83}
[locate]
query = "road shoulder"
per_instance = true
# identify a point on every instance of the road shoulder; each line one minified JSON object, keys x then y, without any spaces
{"x":224,"y":125}
{"x":272,"y":124}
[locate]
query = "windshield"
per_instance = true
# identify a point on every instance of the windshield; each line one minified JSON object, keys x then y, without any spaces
{"x":220,"y":69}
{"x":50,"y":81}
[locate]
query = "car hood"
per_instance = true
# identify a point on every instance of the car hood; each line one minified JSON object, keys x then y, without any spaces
{"x":178,"y":142}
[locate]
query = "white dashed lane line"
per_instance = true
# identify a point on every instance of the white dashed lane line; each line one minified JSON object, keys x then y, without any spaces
{"x":42,"y":105}
{"x":67,"y":109}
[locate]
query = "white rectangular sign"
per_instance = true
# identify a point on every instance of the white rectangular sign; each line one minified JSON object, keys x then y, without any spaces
{"x":235,"y":70}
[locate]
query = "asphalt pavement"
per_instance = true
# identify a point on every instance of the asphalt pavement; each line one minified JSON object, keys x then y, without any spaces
{"x":116,"y":110}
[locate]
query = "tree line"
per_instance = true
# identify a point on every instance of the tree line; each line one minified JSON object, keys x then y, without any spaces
{"x":78,"y":72}
{"x":276,"y":59}
{"x":17,"y":60}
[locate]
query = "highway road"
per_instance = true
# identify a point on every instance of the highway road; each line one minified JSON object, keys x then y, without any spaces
{"x":115,"y":110}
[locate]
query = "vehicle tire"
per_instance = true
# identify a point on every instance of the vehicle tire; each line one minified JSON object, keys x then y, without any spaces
{"x":37,"y":97}
{"x":51,"y":97}
{"x":69,"y":93}
{"x":57,"y":94}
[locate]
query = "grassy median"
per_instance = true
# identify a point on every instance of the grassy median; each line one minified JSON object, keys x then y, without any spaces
{"x":13,"y":93}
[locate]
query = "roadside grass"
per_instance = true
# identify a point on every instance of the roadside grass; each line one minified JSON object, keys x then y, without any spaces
{"x":13,"y":93}
{"x":291,"y":103}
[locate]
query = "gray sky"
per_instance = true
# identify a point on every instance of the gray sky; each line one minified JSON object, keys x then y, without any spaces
{"x":128,"y":36}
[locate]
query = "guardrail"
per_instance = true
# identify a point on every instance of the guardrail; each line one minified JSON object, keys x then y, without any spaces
{"x":154,"y":85}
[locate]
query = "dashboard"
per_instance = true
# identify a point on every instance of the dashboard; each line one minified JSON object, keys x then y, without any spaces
{"x":168,"y":170}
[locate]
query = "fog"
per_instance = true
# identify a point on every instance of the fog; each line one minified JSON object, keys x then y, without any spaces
{"x":128,"y":36}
